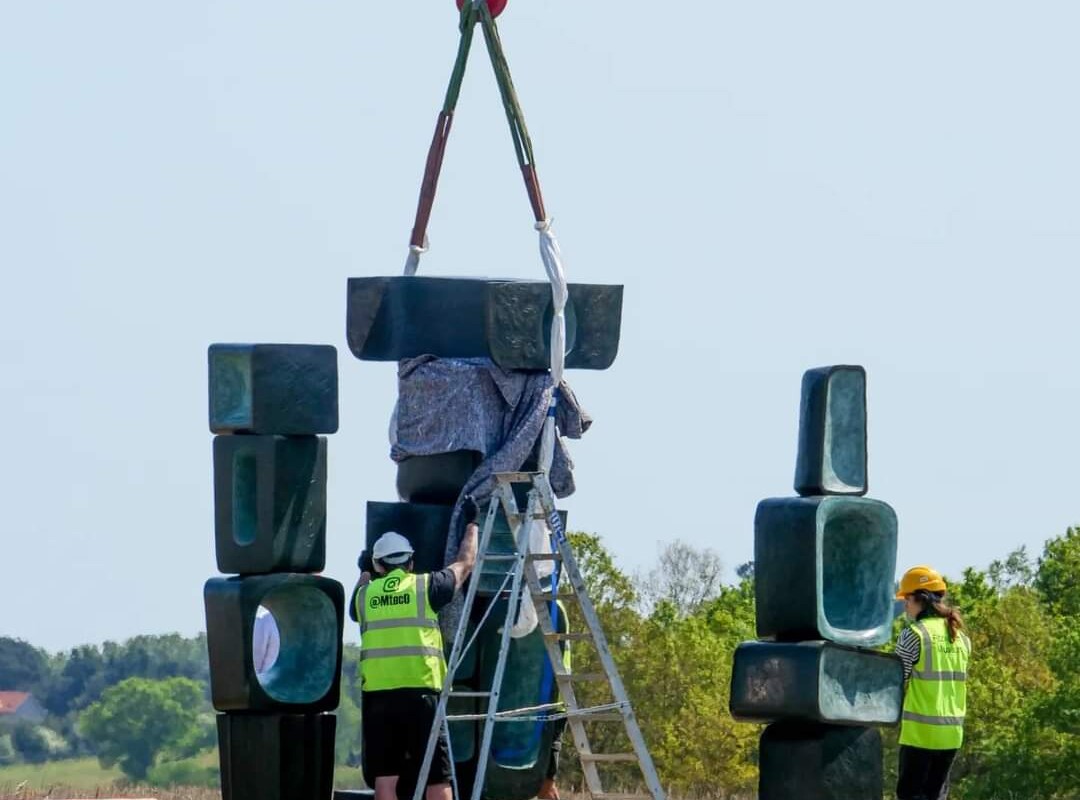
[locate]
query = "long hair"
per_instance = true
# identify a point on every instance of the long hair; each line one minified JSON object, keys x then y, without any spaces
{"x":935,"y":603}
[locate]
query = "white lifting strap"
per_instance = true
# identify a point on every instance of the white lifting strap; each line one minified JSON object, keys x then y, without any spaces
{"x":412,"y":263}
{"x":552,"y":258}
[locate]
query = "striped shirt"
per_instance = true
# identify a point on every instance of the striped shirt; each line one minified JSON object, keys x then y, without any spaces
{"x":909,"y":648}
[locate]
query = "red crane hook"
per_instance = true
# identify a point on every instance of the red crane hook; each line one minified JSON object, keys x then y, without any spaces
{"x":494,"y":6}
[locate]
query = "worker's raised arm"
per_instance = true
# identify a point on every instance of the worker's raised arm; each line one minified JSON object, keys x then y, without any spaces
{"x":466,"y":556}
{"x":367,"y":567}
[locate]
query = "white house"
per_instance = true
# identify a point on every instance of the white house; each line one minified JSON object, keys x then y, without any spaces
{"x":20,"y":707}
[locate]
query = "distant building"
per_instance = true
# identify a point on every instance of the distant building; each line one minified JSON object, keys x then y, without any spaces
{"x":20,"y":707}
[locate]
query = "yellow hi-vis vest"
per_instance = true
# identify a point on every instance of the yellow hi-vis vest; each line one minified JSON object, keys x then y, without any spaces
{"x":401,"y":645}
{"x":936,"y":698}
{"x":565,"y":645}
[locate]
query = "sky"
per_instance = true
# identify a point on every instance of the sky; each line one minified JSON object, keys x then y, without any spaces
{"x":779,"y":186}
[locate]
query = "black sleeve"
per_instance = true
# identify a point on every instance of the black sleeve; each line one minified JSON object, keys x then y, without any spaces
{"x":441,"y":588}
{"x":352,"y":602}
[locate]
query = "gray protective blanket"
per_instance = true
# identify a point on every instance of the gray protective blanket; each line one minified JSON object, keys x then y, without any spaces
{"x":447,"y":404}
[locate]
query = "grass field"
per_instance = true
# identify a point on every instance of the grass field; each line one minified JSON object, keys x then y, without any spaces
{"x":79,"y":773}
{"x":84,"y":778}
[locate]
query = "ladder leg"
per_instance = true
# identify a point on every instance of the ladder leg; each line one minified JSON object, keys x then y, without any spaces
{"x":512,"y":603}
{"x":566,"y":689}
{"x":455,"y":655}
{"x":641,"y":750}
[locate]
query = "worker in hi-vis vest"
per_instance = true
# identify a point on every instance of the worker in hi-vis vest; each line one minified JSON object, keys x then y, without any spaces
{"x":935,"y":651}
{"x":402,"y":667}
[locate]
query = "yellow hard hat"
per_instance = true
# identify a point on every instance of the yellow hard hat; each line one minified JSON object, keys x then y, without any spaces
{"x":922,"y":577}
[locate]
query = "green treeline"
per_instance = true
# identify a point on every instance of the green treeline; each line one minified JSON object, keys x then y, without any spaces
{"x":144,"y":704}
{"x":140,"y":705}
{"x":673,"y":632}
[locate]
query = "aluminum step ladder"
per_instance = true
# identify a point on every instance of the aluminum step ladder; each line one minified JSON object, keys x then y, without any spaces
{"x":523,"y":578}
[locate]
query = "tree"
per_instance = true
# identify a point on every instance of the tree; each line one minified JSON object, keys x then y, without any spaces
{"x":80,"y":681}
{"x":347,"y":738}
{"x":137,"y":719}
{"x":1015,"y":570}
{"x":686,"y":577}
{"x":1058,"y":578}
{"x":606,"y":584}
{"x":676,"y":666}
{"x":22,"y":666}
{"x":1005,"y":744}
{"x":158,"y":657}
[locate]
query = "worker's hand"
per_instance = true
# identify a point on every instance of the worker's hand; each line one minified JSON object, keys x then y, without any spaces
{"x":470,"y":510}
{"x":365,"y":579}
{"x":365,"y":563}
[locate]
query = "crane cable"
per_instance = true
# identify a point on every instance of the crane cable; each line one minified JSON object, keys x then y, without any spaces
{"x":473,"y":13}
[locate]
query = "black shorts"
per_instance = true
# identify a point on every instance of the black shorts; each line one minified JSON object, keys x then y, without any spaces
{"x":396,"y":726}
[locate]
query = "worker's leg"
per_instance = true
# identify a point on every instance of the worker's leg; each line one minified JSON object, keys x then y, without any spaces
{"x":382,"y":746}
{"x":440,"y":791}
{"x":423,"y":717}
{"x":937,"y":776}
{"x":549,"y":790}
{"x":913,"y":768}
{"x":386,"y":787}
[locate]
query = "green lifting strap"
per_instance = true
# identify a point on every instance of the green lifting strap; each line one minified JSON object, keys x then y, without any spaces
{"x":473,"y":13}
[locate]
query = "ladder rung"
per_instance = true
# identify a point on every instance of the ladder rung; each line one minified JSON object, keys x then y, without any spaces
{"x":501,"y":557}
{"x":597,"y":716}
{"x":607,"y":796}
{"x":607,"y":757}
{"x":515,"y":477}
{"x":580,"y":676}
{"x":568,"y":637}
{"x":548,"y":596}
{"x":517,"y":518}
{"x":470,"y":694}
{"x":544,"y":557}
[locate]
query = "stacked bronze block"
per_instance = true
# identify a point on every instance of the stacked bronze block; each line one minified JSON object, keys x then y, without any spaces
{"x":824,"y":566}
{"x":269,"y":403}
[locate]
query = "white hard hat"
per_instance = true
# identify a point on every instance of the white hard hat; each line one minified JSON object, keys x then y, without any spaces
{"x":392,"y":548}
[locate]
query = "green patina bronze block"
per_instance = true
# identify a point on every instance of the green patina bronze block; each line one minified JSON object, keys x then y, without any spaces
{"x":801,"y":761}
{"x":306,"y":675}
{"x":287,"y":389}
{"x":392,"y":318}
{"x":436,"y":478}
{"x":424,"y":525}
{"x":824,"y":569}
{"x":832,"y":432}
{"x":276,"y":756}
{"x":816,"y":682}
{"x":270,"y":503}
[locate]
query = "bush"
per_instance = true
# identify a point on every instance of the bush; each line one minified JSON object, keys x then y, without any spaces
{"x":31,"y":743}
{"x":187,"y":772}
{"x":7,"y":751}
{"x":57,"y":744}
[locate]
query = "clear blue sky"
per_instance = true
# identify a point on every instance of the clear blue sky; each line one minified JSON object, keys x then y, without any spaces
{"x":779,"y":186}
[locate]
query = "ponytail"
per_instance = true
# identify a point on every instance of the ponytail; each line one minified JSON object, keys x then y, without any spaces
{"x":935,"y":603}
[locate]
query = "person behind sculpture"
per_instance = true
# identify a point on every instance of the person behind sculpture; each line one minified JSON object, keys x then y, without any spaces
{"x":402,"y":667}
{"x":549,"y":789}
{"x":935,"y":651}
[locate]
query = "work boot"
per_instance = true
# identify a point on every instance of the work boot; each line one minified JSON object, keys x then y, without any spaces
{"x":548,"y":790}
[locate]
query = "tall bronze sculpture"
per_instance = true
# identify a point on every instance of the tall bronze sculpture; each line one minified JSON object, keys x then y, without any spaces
{"x":269,"y":403}
{"x":473,"y":392}
{"x":825,"y":564}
